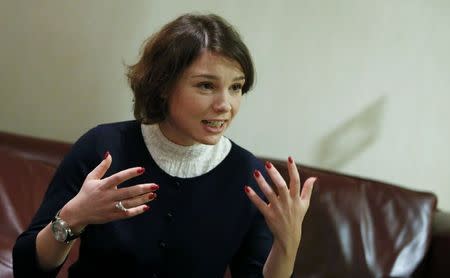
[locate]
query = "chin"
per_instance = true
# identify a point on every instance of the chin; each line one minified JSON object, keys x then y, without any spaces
{"x":210,"y":140}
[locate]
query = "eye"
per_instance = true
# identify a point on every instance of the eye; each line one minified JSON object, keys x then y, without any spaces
{"x":236,"y":87}
{"x":205,"y":85}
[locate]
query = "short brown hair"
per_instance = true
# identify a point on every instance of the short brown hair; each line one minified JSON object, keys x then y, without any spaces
{"x":167,"y":53}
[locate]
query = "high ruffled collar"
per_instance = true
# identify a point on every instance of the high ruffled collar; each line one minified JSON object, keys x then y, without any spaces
{"x":183,"y":161}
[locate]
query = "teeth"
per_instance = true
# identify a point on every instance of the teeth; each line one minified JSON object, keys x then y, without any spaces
{"x":215,"y":123}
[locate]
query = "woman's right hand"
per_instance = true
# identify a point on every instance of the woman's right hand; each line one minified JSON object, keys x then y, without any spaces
{"x":96,"y":201}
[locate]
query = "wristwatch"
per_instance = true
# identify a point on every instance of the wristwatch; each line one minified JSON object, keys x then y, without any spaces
{"x":62,"y":231}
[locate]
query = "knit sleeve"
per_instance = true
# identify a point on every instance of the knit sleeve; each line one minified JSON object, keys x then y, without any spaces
{"x":254,"y":250}
{"x":64,"y":185}
{"x":249,"y":260}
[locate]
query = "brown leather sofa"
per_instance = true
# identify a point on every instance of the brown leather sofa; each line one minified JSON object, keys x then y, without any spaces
{"x":355,"y":227}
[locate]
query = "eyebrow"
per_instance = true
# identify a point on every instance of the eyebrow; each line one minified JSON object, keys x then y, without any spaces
{"x":210,"y":76}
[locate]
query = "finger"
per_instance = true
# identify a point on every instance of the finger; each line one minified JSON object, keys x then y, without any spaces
{"x":307,"y":190}
{"x":257,"y":201}
{"x":122,"y":176}
{"x":278,"y":180}
{"x":139,"y":200}
{"x":294,"y":178}
{"x":265,"y":187}
{"x":131,"y":212}
{"x":101,"y":169}
{"x":133,"y":191}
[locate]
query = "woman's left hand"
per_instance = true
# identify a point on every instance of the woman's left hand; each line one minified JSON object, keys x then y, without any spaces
{"x":286,"y":210}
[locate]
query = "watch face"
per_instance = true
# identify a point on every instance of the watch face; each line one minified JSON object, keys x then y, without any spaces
{"x":59,"y":231}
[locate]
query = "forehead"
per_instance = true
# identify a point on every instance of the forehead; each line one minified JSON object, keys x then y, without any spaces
{"x":212,"y":63}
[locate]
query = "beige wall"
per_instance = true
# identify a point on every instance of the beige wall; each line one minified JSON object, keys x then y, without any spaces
{"x":357,"y":86}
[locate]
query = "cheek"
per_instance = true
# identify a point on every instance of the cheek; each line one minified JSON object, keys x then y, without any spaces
{"x":187,"y":108}
{"x":176,"y":109}
{"x":236,"y":104}
{"x":177,"y":102}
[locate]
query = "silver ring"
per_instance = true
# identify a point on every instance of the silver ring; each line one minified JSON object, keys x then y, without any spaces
{"x":120,"y":206}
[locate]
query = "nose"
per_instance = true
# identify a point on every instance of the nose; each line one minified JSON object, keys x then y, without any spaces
{"x":222,"y":103}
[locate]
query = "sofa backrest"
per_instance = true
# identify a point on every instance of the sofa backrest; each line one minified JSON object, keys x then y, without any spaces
{"x":26,"y":167}
{"x":356,"y":227}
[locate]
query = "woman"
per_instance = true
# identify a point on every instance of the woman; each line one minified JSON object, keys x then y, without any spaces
{"x":167,"y":195}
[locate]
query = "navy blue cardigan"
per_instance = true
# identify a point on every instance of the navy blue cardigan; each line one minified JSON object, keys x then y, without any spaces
{"x":195,"y":228}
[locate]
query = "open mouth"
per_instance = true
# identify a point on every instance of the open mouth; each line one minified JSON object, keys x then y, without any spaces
{"x":214,"y":124}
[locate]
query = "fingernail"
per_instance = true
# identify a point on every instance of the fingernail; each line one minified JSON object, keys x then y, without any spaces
{"x":290,"y":160}
{"x":268,"y":165}
{"x":141,"y":170}
{"x":105,"y":155}
{"x":152,"y":196}
{"x":257,"y":174}
{"x":154,"y":187}
{"x":146,"y":208}
{"x":247,"y":189}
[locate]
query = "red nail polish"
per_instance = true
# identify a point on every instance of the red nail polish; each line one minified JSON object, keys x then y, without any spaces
{"x":152,"y":196}
{"x":247,"y":189}
{"x":257,"y":174}
{"x":154,"y":187}
{"x":105,"y":155}
{"x":146,"y":208}
{"x":290,"y":160}
{"x":141,"y":170}
{"x":268,"y":165}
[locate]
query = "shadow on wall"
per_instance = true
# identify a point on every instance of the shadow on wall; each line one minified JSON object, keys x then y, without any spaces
{"x":351,"y":138}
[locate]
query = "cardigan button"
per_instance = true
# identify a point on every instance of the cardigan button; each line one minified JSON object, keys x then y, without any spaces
{"x":178,"y":185}
{"x":162,"y":244}
{"x":169,"y":216}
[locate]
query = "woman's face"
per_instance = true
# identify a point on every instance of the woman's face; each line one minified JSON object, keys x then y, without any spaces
{"x":204,"y":100}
